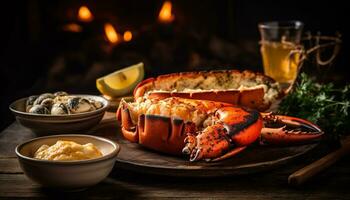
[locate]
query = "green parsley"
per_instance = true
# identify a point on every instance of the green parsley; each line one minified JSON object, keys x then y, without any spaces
{"x":322,"y":104}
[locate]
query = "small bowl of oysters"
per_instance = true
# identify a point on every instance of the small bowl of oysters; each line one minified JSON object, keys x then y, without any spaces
{"x":60,"y":112}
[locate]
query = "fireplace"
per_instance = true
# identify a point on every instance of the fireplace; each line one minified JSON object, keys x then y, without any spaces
{"x":66,"y":45}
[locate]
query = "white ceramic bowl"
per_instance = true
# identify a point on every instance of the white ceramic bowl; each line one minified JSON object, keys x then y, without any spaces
{"x":45,"y":124}
{"x":67,"y":175}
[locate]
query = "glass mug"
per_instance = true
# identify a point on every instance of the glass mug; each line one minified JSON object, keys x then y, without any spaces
{"x":281,"y":49}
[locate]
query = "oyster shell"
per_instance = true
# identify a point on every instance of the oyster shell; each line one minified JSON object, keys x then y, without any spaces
{"x":39,"y":109}
{"x":42,"y":97}
{"x":48,"y":102}
{"x":61,"y":99}
{"x":79,"y":105}
{"x":59,"y":109}
{"x":30,"y":102}
{"x":96,"y":104}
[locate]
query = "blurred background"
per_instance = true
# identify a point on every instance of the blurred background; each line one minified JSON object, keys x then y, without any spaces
{"x":48,"y":46}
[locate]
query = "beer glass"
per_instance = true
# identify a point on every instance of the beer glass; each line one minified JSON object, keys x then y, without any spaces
{"x":281,"y":49}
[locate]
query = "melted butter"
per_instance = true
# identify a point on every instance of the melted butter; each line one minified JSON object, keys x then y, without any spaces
{"x":67,"y":151}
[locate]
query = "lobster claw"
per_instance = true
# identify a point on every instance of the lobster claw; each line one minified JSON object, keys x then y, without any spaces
{"x":235,"y":128}
{"x":210,"y":145}
{"x":286,"y":130}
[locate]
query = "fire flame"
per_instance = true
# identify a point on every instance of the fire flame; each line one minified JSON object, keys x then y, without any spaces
{"x":72,"y":27}
{"x":127,"y":36}
{"x":165,"y":14}
{"x":111,"y":33}
{"x":84,"y":14}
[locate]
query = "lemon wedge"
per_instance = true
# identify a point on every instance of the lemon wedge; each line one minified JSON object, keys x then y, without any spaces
{"x":121,"y":82}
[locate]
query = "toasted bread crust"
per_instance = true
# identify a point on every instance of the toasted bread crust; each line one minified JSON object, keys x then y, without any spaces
{"x":246,"y":88}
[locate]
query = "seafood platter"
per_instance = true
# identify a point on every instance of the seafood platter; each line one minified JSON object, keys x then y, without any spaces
{"x":195,"y":123}
{"x":208,"y":123}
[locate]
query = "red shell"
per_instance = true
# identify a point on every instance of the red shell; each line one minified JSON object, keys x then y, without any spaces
{"x":167,"y":134}
{"x":251,"y":97}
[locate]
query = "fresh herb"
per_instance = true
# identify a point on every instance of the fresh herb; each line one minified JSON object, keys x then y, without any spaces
{"x":322,"y":104}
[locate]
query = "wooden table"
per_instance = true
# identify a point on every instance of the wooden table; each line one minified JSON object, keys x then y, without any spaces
{"x":331,"y":184}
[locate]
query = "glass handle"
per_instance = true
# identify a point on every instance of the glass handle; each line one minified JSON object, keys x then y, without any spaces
{"x":333,"y":41}
{"x":336,"y":41}
{"x":303,"y":55}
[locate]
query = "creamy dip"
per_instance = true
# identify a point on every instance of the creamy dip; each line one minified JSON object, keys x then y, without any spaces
{"x":67,"y":151}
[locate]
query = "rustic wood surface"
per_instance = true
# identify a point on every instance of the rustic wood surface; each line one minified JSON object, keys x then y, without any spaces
{"x":123,"y":184}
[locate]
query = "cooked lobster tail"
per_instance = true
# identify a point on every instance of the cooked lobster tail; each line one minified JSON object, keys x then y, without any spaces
{"x":165,"y":134}
{"x":202,"y":129}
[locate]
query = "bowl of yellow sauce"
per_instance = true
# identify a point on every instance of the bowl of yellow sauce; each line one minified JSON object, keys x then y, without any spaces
{"x":67,"y":162}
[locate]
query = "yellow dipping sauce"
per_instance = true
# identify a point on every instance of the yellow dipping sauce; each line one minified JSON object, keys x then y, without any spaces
{"x":67,"y":151}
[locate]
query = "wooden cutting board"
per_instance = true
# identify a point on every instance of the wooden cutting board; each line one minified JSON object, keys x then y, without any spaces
{"x":254,"y":159}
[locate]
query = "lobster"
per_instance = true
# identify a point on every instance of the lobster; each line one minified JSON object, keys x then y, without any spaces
{"x":207,"y":130}
{"x":244,"y":88}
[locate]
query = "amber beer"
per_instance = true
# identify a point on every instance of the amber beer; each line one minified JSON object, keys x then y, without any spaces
{"x":281,"y":49}
{"x":281,"y":60}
